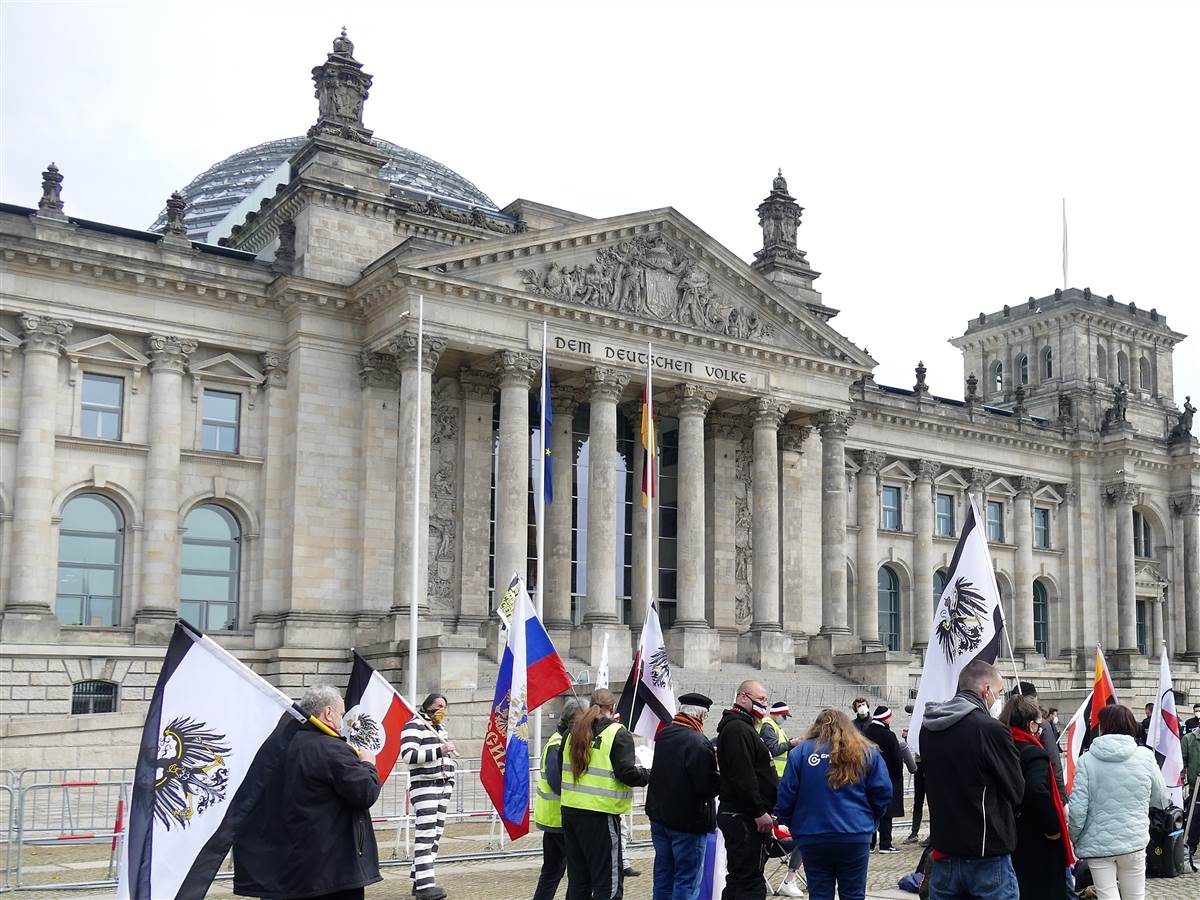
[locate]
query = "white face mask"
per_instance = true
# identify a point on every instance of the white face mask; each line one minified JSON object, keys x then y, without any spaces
{"x":862,"y":709}
{"x":997,"y":707}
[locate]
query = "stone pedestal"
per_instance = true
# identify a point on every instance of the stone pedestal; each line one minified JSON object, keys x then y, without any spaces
{"x":1125,"y":660}
{"x":445,"y":662}
{"x":772,"y":651}
{"x":587,"y":641}
{"x":694,"y":647}
{"x":153,"y":626}
{"x":824,"y":648}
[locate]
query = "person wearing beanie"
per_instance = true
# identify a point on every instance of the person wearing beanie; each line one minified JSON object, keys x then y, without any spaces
{"x":878,"y":730}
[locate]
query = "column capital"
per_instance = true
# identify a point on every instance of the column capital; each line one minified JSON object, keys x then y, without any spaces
{"x":768,"y":413}
{"x":1186,"y":504}
{"x":870,"y":462}
{"x":792,"y":437}
{"x":275,"y":368}
{"x":478,"y":385}
{"x":377,"y":370}
{"x":565,"y":401}
{"x":404,"y":348}
{"x":834,"y":423}
{"x":1121,"y":492}
{"x":979,"y":479}
{"x":927,"y":469}
{"x":514,"y":369}
{"x":41,"y":334}
{"x":168,"y":352}
{"x":1026,"y":486}
{"x":605,"y":384}
{"x":689,"y":399}
{"x":1070,"y":493}
{"x":724,"y":427}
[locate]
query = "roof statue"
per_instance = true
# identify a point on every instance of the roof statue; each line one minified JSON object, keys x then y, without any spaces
{"x":341,"y":91}
{"x":51,"y":203}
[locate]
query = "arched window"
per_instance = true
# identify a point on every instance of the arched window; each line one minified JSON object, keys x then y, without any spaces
{"x":211,"y":563}
{"x":1123,"y":367}
{"x":1023,"y":369}
{"x":1143,"y":536}
{"x":1101,"y":362}
{"x":1047,"y":364}
{"x":1041,"y":619}
{"x":91,"y":543}
{"x":93,"y":697}
{"x":998,"y":377}
{"x":889,"y":608}
{"x":1145,"y":376}
{"x":939,"y":584}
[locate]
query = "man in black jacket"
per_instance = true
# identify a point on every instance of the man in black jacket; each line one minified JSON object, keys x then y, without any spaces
{"x":748,"y":786}
{"x":680,"y":802}
{"x":317,"y":840}
{"x":975,"y":791}
{"x":879,"y":732}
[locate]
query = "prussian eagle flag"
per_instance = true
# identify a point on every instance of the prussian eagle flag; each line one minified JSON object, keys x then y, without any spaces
{"x":1085,"y":724}
{"x":647,"y":702}
{"x":213,"y":731}
{"x":1163,"y":736}
{"x":968,"y":623}
{"x":375,"y":715}
{"x":531,"y":672}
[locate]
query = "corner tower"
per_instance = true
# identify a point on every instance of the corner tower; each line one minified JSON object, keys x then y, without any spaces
{"x":780,"y":261}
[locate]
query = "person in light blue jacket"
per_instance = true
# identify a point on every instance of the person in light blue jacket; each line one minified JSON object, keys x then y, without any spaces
{"x":1116,"y":783}
{"x":834,"y":790}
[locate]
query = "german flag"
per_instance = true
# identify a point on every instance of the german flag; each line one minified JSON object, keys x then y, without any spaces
{"x":647,"y":443}
{"x":1084,"y":725}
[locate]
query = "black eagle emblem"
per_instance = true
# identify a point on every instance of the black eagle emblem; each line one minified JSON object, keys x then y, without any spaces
{"x":191,"y":771}
{"x":660,"y":668}
{"x":960,"y":619}
{"x":363,"y":732}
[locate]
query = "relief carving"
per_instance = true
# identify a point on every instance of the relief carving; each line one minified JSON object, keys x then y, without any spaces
{"x":743,"y":536}
{"x":445,"y":409}
{"x":647,"y":276}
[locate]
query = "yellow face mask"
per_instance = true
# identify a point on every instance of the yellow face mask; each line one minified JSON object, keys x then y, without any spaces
{"x":437,"y":716}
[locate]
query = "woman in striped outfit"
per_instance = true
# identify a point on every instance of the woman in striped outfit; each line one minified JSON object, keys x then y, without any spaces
{"x":429,"y":753}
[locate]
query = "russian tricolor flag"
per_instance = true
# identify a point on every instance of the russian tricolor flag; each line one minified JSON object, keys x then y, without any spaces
{"x":531,"y":672}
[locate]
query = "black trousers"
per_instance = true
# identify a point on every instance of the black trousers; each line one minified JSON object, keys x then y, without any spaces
{"x":745,"y":855}
{"x":349,"y":894}
{"x":554,"y":863}
{"x":918,"y":797}
{"x":594,"y":864}
{"x":885,"y":832}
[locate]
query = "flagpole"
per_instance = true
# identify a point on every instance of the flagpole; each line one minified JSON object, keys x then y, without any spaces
{"x":1065,"y":285}
{"x":979,"y":523}
{"x":540,"y":500}
{"x":649,"y":476}
{"x":414,"y":599}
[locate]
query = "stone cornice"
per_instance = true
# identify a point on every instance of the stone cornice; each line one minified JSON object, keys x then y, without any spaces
{"x":1049,"y":442}
{"x":292,"y":290}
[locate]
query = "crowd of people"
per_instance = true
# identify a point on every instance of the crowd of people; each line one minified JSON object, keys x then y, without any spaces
{"x":1002,"y":826}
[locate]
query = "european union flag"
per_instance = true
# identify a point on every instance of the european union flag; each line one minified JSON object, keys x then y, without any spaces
{"x":547,"y":421}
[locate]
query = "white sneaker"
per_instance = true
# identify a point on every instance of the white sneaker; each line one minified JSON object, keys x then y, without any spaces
{"x":791,"y":889}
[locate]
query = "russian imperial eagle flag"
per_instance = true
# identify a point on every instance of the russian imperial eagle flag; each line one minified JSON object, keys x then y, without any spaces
{"x":968,"y":623}
{"x":375,"y":715}
{"x":213,"y":731}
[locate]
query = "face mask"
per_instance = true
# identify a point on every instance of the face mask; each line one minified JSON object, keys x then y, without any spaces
{"x":862,"y":709}
{"x":997,"y":707}
{"x":760,"y":710}
{"x":437,"y":716}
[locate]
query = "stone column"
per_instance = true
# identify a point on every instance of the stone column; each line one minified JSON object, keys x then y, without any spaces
{"x":979,"y":480}
{"x":833,"y":427}
{"x":475,"y":494}
{"x":516,"y":372}
{"x":28,"y":616}
{"x":795,"y":509}
{"x":766,"y":646}
{"x":923,"y":509}
{"x":1122,"y":496}
{"x":602,"y":616}
{"x":557,"y":598}
{"x":1188,"y":507}
{"x":869,"y":464}
{"x":158,"y":601}
{"x":1022,"y":602}
{"x":723,"y":436}
{"x":632,"y":411}
{"x":416,"y":381}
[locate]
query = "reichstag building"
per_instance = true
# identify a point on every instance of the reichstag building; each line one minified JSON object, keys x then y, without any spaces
{"x":215,"y":419}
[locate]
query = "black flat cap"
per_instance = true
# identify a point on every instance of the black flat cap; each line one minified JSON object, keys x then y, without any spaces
{"x":695,"y":700}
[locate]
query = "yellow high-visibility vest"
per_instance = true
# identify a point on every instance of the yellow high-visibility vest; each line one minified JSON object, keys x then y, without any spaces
{"x":547,"y":805}
{"x":779,"y":762}
{"x":597,"y":789}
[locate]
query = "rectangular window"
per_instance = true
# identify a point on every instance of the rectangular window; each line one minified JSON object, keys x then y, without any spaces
{"x":995,"y":521}
{"x":891,"y":507}
{"x":1041,"y":529}
{"x":945,"y":515}
{"x":100,"y":407}
{"x":1143,"y":538}
{"x":220,"y":424}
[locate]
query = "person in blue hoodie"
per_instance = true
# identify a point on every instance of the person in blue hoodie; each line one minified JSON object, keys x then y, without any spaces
{"x":834,"y":791}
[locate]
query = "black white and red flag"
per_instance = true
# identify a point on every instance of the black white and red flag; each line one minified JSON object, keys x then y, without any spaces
{"x":647,"y":702}
{"x":375,"y":715}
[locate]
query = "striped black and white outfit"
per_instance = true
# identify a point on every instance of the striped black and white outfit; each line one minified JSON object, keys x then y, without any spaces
{"x":431,"y":773}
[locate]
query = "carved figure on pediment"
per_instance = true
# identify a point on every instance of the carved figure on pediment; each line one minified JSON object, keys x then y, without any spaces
{"x":1183,"y":426}
{"x":693,"y":297}
{"x":1117,"y":414}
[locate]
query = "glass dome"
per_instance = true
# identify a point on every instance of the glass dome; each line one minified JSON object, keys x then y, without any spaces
{"x":214,"y":193}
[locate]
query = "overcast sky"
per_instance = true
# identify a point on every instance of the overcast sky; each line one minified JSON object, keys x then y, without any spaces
{"x":930,"y":144}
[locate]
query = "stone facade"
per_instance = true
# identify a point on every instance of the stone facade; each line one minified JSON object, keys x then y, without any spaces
{"x":814,"y":508}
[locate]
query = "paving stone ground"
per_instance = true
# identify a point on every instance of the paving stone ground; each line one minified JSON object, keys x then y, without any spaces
{"x":510,"y":877}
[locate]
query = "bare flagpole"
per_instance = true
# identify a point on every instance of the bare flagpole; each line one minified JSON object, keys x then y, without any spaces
{"x":652,"y":446}
{"x":1066,"y":284}
{"x":414,"y":600}
{"x":540,"y":500}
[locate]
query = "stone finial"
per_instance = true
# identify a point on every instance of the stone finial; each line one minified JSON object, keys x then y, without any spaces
{"x":1020,"y":410}
{"x":972,"y":395}
{"x":780,"y":183}
{"x":920,"y":387}
{"x":341,"y":90}
{"x":176,"y":206}
{"x":51,"y":204}
{"x":285,"y":255}
{"x":779,"y":216}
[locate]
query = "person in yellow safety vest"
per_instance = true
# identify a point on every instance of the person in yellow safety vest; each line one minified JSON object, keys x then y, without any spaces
{"x":547,"y":804}
{"x":776,"y":739}
{"x":599,"y":774}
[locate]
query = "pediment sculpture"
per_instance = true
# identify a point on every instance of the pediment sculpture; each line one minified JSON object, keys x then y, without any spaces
{"x":647,"y":276}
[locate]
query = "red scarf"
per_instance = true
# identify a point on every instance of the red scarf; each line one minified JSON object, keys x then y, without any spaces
{"x":1022,"y":736}
{"x":681,"y":719}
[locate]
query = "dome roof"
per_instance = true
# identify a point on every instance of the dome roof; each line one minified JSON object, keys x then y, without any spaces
{"x":214,"y":193}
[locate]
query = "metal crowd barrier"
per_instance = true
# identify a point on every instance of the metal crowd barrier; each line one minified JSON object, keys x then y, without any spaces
{"x":8,"y":796}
